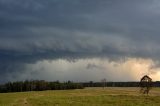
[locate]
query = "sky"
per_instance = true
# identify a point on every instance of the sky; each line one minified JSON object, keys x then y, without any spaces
{"x":79,"y":40}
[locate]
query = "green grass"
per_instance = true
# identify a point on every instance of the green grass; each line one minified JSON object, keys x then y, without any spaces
{"x":83,"y":97}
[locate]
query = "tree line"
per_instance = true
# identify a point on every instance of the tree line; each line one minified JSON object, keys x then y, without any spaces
{"x":117,"y":84}
{"x":38,"y":85}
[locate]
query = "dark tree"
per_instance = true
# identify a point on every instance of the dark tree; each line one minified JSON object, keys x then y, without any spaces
{"x":145,"y":84}
{"x":38,"y":85}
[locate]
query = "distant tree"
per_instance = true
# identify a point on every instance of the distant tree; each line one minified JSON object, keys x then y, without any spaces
{"x":145,"y":84}
{"x":91,"y":83}
{"x":103,"y":83}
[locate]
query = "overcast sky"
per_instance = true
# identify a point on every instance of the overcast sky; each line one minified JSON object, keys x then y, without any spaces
{"x":79,"y":40}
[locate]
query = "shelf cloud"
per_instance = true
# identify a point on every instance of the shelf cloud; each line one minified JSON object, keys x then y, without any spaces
{"x":35,"y":31}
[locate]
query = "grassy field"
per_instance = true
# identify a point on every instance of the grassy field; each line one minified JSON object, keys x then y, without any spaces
{"x":83,"y":97}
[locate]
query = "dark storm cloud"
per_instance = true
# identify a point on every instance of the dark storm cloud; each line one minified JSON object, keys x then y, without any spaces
{"x":34,"y":30}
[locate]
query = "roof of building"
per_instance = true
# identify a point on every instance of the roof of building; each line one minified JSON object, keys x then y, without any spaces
{"x":146,"y":77}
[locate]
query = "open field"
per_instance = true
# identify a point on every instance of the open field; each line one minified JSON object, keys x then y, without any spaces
{"x":83,"y":97}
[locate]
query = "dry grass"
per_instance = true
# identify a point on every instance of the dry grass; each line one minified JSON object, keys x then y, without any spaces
{"x":112,"y":96}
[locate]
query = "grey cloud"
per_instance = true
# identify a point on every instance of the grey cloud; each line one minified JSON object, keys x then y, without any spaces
{"x":31,"y":31}
{"x":92,"y":66}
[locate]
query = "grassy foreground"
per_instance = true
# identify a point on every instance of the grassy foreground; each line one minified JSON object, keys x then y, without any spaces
{"x":83,"y":97}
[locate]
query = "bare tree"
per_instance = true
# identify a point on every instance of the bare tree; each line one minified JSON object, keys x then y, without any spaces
{"x":103,"y":83}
